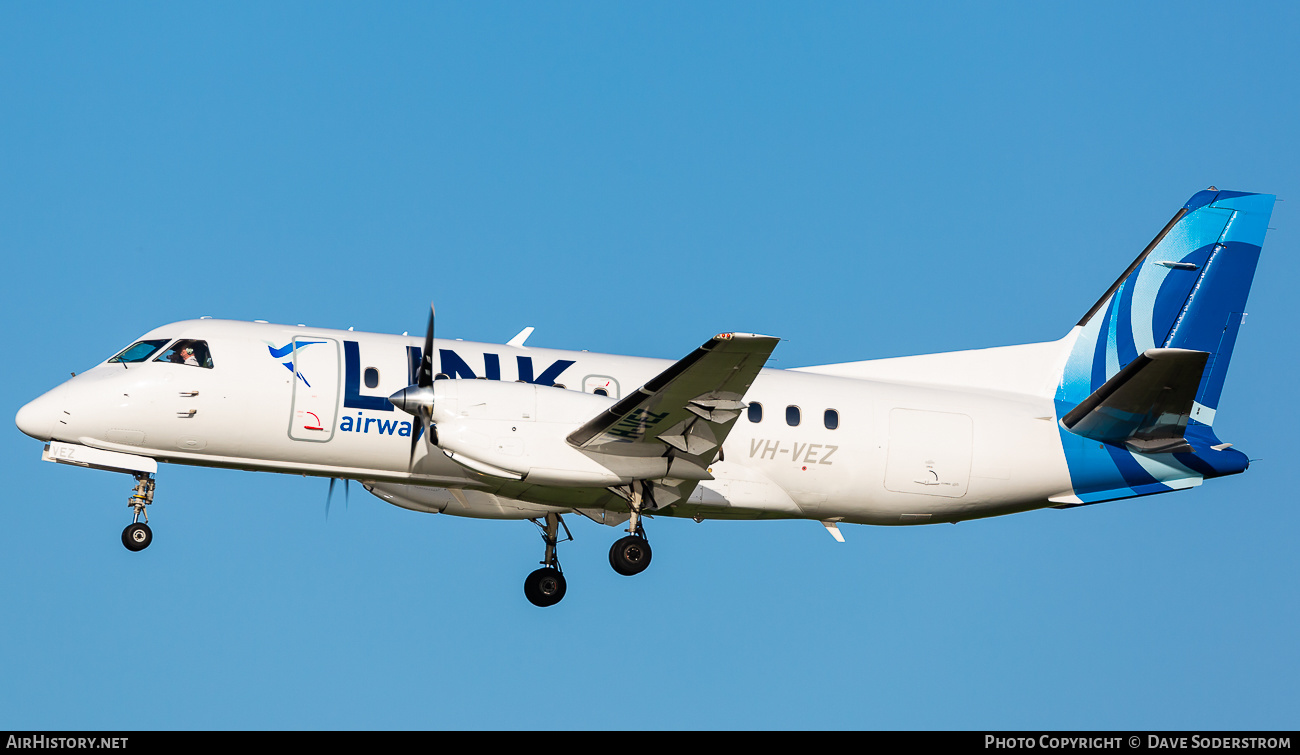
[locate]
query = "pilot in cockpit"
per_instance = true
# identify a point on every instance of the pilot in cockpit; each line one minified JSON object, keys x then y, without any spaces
{"x":182,"y":353}
{"x":192,"y":353}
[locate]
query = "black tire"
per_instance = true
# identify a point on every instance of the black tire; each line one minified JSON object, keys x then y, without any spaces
{"x":630,"y":555}
{"x":545,"y":587}
{"x":136,"y":537}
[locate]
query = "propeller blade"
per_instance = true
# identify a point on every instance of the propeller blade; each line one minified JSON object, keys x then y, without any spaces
{"x":417,"y":399}
{"x":425,"y":375}
{"x":347,"y":494}
{"x":415,"y":438}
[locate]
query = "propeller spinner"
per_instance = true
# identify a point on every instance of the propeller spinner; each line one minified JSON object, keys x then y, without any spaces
{"x":417,"y":399}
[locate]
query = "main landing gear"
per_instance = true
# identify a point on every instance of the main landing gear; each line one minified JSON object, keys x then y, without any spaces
{"x":631,"y":555}
{"x":137,"y":535}
{"x":546,"y":586}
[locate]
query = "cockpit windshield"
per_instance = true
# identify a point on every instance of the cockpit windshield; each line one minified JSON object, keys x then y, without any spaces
{"x":139,"y":351}
{"x":193,"y":353}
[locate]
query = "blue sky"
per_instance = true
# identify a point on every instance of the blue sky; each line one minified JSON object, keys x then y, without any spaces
{"x":865,"y":180}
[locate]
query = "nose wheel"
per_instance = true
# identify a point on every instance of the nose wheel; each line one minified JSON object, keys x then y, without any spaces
{"x":137,"y":535}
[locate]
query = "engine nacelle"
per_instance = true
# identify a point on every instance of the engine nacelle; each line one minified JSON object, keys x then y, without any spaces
{"x":519,"y":430}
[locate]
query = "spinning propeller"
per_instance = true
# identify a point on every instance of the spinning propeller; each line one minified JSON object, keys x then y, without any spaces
{"x":330,"y":496}
{"x":417,"y":400}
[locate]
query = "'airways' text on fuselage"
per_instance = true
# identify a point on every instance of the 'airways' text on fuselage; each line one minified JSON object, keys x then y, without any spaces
{"x":360,"y":424}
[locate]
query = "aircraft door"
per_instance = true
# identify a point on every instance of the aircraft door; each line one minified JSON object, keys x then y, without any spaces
{"x":317,"y":375}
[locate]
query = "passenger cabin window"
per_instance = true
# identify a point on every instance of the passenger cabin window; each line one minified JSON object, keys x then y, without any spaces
{"x":832,"y":419}
{"x":190,"y":352}
{"x":140,"y":350}
{"x":792,"y":416}
{"x":755,"y":412}
{"x":372,"y":377}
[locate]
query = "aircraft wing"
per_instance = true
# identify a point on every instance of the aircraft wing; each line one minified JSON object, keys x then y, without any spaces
{"x":684,"y":413}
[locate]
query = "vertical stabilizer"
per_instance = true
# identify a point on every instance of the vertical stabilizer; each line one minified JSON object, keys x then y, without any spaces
{"x":1186,"y":290}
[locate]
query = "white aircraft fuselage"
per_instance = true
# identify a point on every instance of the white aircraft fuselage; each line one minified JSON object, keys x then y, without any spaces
{"x":989,"y":447}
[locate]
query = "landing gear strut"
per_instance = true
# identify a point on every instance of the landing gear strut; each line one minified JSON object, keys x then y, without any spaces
{"x":137,"y":535}
{"x":631,"y":555}
{"x":546,"y":586}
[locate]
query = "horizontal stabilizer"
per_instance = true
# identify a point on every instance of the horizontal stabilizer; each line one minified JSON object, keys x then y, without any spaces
{"x":1145,"y":406}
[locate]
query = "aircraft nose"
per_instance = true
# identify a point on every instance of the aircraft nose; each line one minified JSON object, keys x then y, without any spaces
{"x":37,"y":419}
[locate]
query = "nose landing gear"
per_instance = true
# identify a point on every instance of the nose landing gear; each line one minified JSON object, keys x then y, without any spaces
{"x":137,"y":536}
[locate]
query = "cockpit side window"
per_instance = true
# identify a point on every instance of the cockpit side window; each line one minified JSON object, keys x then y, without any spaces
{"x":139,"y":351}
{"x":187,"y":351}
